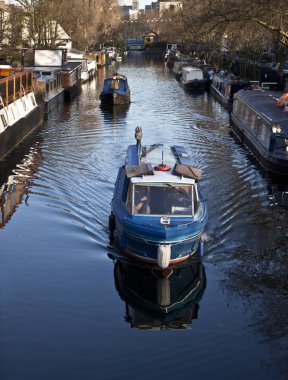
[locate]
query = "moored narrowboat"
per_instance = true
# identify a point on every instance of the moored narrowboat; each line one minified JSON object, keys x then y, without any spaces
{"x":224,"y":85}
{"x":192,"y":78}
{"x":158,"y":214}
{"x":262,"y":127}
{"x":177,"y":68}
{"x":71,"y":79}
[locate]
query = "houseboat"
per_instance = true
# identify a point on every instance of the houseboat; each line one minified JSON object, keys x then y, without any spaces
{"x":49,"y":84}
{"x":224,"y":85}
{"x":21,"y":110}
{"x":192,"y":78}
{"x":155,"y":302}
{"x":262,"y":127}
{"x":115,"y":90}
{"x":70,"y":71}
{"x":157,"y":214}
{"x":100,"y":57}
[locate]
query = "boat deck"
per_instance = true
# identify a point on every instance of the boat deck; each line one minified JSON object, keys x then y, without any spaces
{"x":154,"y":154}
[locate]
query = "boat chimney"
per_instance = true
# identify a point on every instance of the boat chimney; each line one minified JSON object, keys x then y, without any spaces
{"x":138,"y":137}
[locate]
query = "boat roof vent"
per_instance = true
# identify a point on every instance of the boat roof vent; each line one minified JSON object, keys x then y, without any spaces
{"x":187,"y":171}
{"x":139,"y":170}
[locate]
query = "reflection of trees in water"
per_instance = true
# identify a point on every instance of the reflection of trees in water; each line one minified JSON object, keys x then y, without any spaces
{"x":260,"y":280}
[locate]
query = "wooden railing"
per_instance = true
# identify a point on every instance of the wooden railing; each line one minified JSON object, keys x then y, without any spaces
{"x":14,"y":83}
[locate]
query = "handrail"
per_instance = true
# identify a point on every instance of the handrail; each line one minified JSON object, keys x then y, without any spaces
{"x":15,"y":84}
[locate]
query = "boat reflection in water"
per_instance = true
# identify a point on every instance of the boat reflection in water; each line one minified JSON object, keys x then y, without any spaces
{"x":114,"y":115}
{"x":16,"y":174}
{"x":157,"y":299}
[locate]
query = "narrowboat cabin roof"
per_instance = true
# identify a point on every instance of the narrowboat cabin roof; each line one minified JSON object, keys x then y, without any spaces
{"x":192,"y":73}
{"x":264,"y":102}
{"x":70,"y":66}
{"x":116,"y":82}
{"x":152,"y":156}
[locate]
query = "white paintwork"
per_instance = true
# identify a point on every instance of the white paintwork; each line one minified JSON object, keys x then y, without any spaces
{"x":190,"y":73}
{"x":163,"y":255}
{"x":48,"y":57}
{"x":16,"y":110}
{"x":163,"y":177}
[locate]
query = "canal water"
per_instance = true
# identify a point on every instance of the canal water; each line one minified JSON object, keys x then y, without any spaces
{"x":70,"y":310}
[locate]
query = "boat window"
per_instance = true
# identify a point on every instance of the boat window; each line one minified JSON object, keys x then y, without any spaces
{"x":4,"y":121}
{"x":280,"y":144}
{"x":163,"y":199}
{"x":129,"y":198}
{"x":195,"y":200}
{"x":253,"y":121}
{"x":33,"y":100}
{"x":264,"y":133}
{"x":227,"y":90}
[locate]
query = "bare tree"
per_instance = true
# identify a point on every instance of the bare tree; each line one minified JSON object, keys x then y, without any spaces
{"x":253,"y":23}
{"x":40,"y":22}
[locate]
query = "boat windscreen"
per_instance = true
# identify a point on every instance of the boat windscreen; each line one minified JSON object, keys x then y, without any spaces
{"x":161,"y":199}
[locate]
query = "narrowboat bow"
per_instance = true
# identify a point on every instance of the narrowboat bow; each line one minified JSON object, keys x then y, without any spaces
{"x":157,"y":214}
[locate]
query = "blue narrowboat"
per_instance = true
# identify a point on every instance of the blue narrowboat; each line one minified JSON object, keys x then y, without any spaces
{"x":115,"y":90}
{"x":259,"y":119}
{"x":158,"y":214}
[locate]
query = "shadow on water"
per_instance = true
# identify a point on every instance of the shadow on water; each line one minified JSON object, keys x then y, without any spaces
{"x":160,"y":300}
{"x":259,"y":280}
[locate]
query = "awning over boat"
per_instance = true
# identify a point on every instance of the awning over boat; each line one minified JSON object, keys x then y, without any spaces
{"x":187,"y":171}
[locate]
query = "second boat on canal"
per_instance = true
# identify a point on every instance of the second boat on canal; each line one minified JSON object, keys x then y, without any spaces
{"x":115,"y":90}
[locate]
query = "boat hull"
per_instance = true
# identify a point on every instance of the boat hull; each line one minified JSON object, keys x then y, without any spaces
{"x":144,"y":237}
{"x":194,"y":86}
{"x":52,"y":102}
{"x":225,"y":101}
{"x":147,"y":251}
{"x":114,"y":98}
{"x":16,"y":132}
